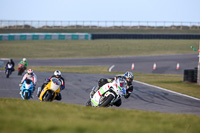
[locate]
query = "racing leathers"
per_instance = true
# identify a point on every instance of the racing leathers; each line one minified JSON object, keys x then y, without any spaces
{"x":32,"y":77}
{"x":24,"y":62}
{"x":12,"y":63}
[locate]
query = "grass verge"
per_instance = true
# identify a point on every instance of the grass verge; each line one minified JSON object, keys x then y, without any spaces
{"x":93,"y":48}
{"x":19,"y":116}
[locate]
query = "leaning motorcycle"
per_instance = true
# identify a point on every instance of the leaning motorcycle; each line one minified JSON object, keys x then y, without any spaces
{"x":9,"y":69}
{"x":51,"y":90}
{"x":26,"y":89}
{"x":21,"y":68}
{"x":108,"y":94}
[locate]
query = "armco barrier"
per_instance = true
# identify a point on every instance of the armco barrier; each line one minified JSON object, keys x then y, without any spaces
{"x":45,"y":36}
{"x":144,"y":36}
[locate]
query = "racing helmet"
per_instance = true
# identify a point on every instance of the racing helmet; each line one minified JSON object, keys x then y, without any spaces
{"x":129,"y":75}
{"x":57,"y":73}
{"x":30,"y":71}
{"x":24,"y":59}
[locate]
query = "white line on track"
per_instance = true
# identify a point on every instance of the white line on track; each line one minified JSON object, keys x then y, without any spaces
{"x":167,"y":90}
{"x":4,"y":58}
{"x":110,"y":69}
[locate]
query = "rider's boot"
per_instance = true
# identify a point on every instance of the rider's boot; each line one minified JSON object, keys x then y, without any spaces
{"x":94,"y":89}
{"x":38,"y":91}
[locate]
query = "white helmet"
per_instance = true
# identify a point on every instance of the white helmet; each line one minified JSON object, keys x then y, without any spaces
{"x":57,"y":73}
{"x":30,"y":71}
{"x":129,"y":75}
{"x":24,"y":59}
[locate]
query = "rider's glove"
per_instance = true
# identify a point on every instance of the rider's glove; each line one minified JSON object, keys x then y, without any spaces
{"x":62,"y":87}
{"x":20,"y":84}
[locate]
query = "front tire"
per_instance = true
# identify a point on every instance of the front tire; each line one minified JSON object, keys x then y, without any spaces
{"x":7,"y":75}
{"x":107,"y":101}
{"x":48,"y":96}
{"x":26,"y":96}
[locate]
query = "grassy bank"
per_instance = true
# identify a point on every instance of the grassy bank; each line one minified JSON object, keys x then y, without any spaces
{"x":93,"y":48}
{"x":19,"y":116}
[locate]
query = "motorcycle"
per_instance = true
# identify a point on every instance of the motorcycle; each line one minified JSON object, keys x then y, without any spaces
{"x":108,"y":94}
{"x":51,"y":90}
{"x":9,"y":69}
{"x":21,"y":68}
{"x":26,"y":89}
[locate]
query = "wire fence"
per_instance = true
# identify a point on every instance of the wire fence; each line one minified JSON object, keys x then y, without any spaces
{"x":28,"y":24}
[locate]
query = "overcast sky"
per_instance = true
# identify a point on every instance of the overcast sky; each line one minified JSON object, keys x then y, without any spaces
{"x":110,"y":10}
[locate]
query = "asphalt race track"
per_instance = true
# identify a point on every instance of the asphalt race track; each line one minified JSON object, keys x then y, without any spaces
{"x":78,"y":86}
{"x":165,"y":64}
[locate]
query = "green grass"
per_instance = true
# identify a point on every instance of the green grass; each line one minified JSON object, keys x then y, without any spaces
{"x":93,"y":48}
{"x":20,"y":116}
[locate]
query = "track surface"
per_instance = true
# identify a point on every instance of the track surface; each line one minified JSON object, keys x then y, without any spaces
{"x":78,"y":86}
{"x":166,"y":64}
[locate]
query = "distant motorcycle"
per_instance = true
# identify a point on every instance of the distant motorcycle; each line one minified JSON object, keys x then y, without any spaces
{"x":9,"y":69}
{"x":21,"y":68}
{"x":27,"y":89}
{"x":51,"y":90}
{"x":108,"y":94}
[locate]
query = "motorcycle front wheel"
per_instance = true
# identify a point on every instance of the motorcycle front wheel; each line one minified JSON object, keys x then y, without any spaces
{"x":107,"y":100}
{"x":26,"y":96}
{"x":48,"y":96}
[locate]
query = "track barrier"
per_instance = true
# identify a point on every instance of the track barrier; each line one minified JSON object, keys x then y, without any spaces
{"x":45,"y":36}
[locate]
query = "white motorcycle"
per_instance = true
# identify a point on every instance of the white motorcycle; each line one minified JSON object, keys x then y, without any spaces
{"x":109,"y":93}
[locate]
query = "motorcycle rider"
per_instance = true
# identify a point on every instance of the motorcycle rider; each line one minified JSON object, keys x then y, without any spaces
{"x":24,"y":61}
{"x":10,"y":61}
{"x":128,"y":76}
{"x":57,"y":74}
{"x":29,"y":75}
{"x":120,"y":81}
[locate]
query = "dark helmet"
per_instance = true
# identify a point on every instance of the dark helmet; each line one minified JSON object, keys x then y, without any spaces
{"x":102,"y":81}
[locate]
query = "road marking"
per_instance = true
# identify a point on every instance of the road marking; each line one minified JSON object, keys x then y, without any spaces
{"x":110,"y":69}
{"x":167,"y":90}
{"x":4,"y":58}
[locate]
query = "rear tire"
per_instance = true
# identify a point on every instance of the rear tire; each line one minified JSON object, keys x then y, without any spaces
{"x":107,"y":101}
